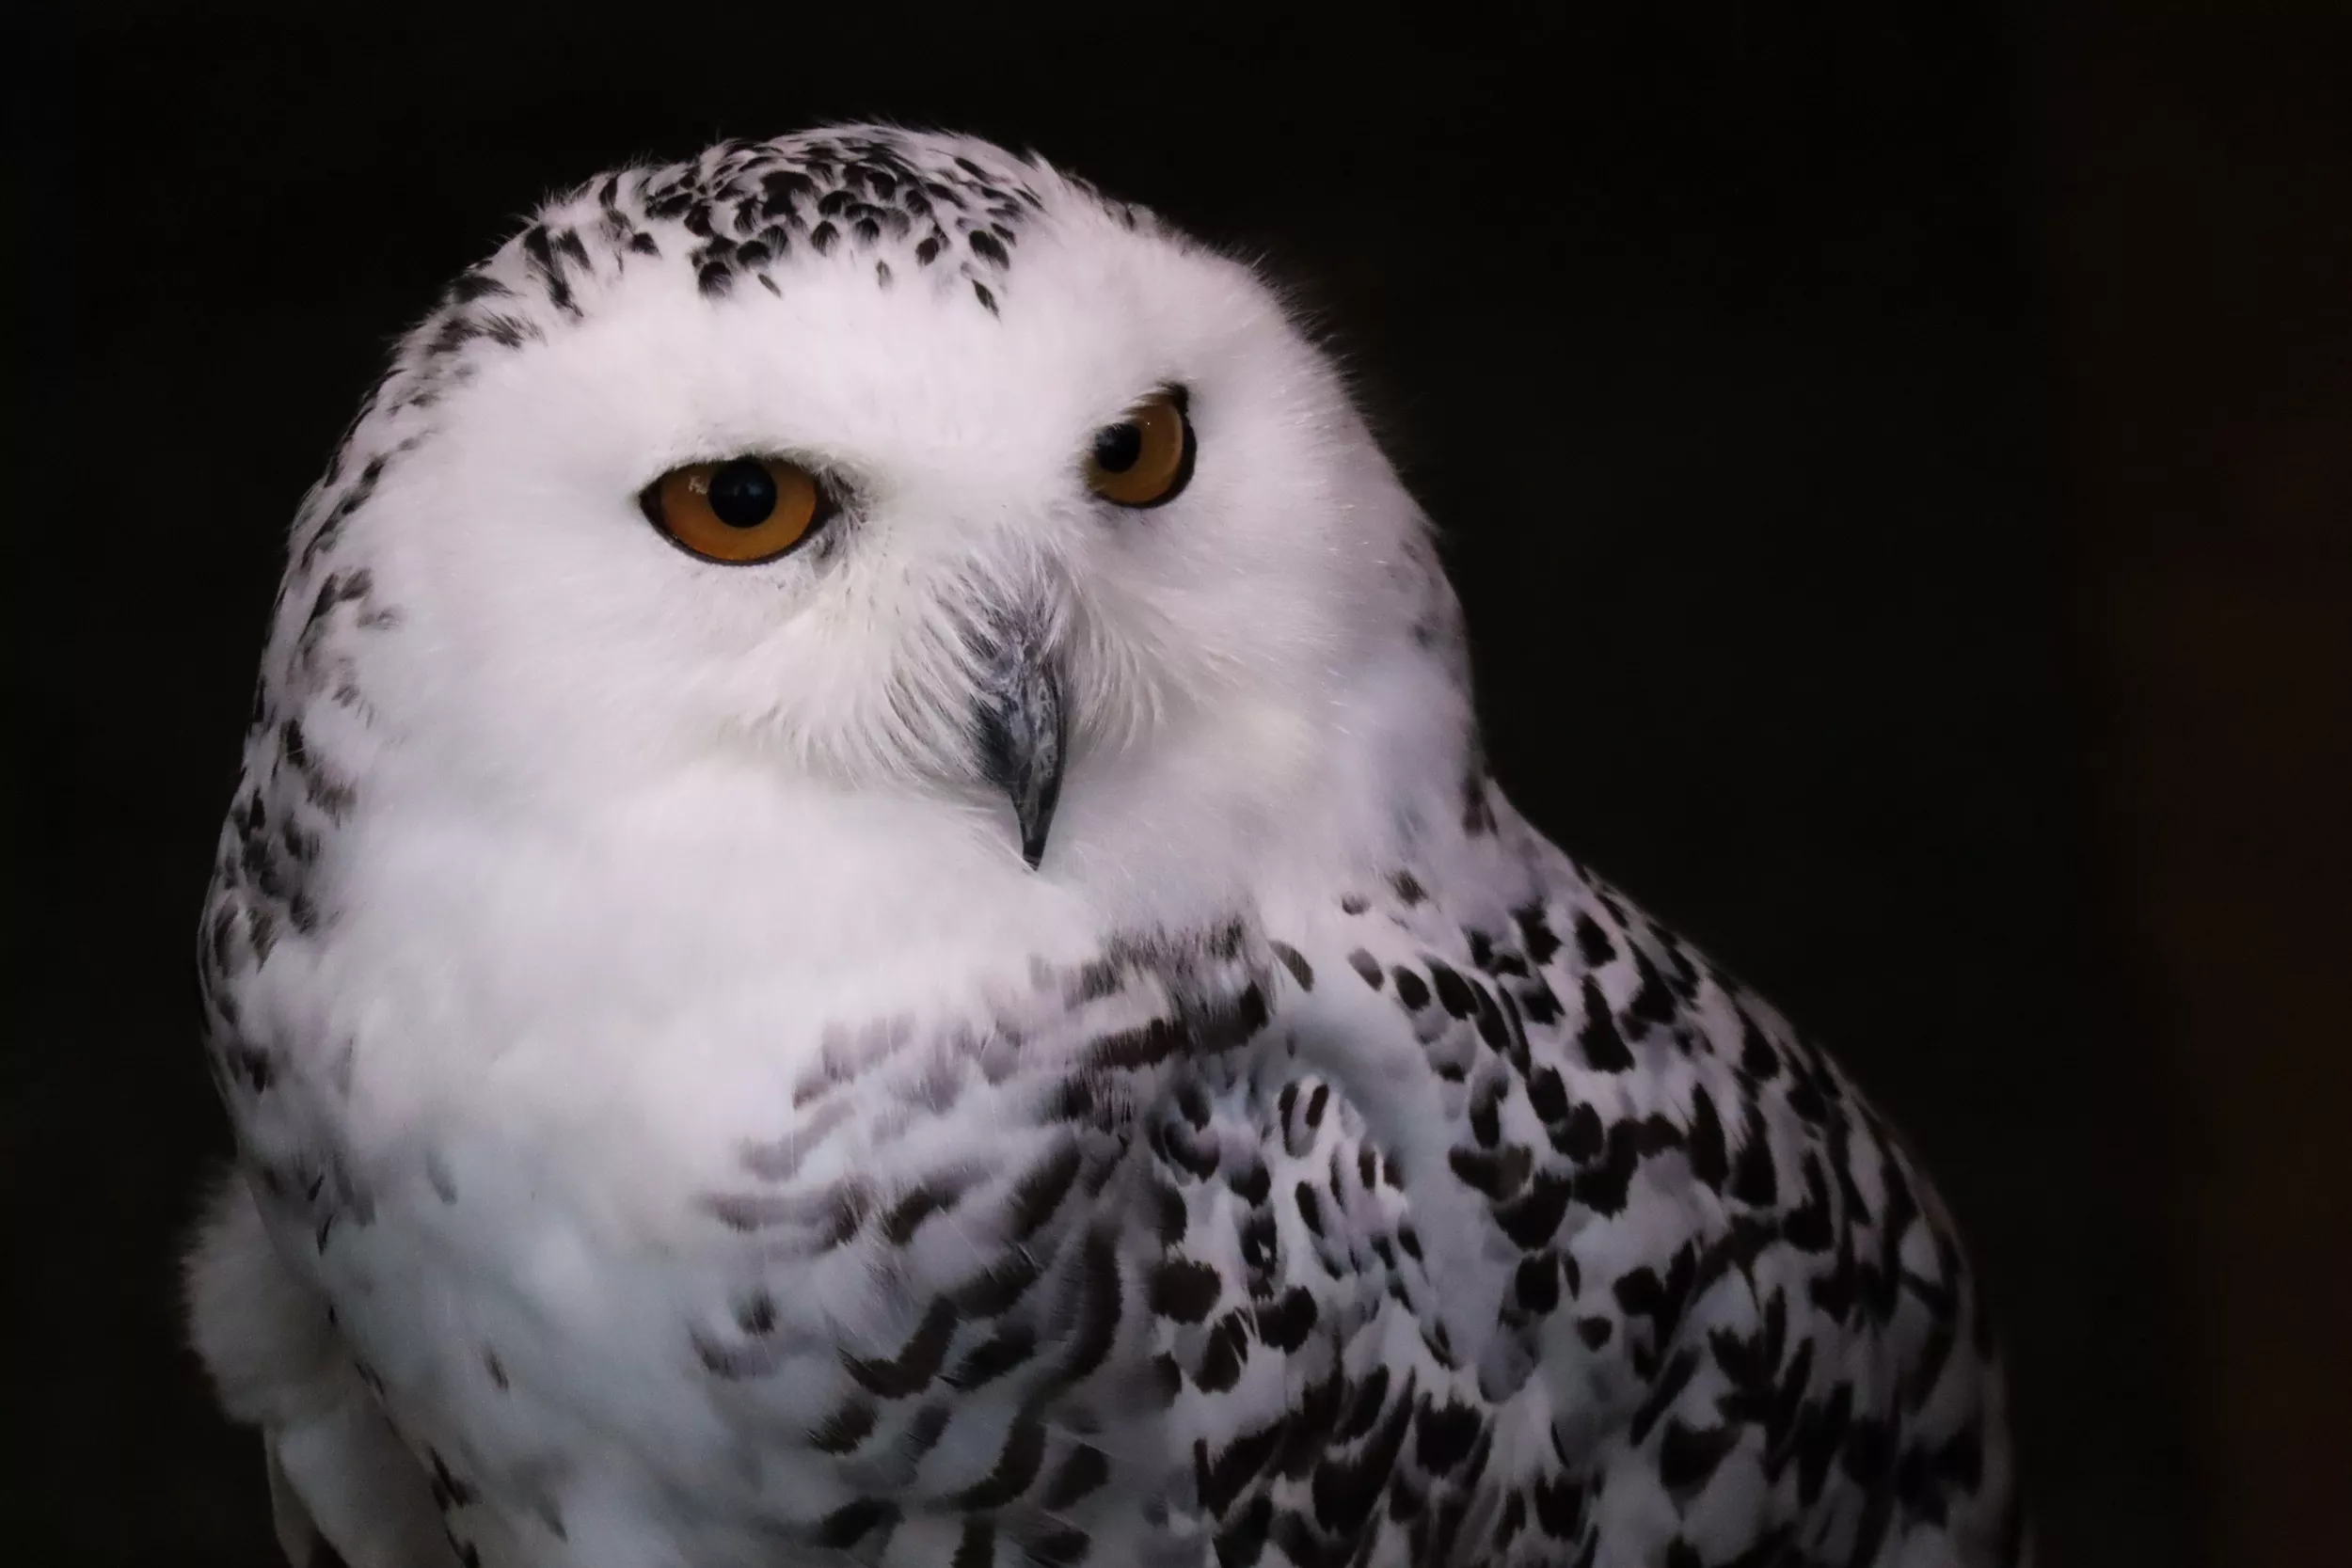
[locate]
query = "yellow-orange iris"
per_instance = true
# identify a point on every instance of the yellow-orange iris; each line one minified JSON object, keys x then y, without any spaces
{"x":1145,"y":458}
{"x":741,"y":511}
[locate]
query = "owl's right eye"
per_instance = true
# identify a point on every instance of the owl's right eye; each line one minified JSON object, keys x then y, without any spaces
{"x":741,"y":511}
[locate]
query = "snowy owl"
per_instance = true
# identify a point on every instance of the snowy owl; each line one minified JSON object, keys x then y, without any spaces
{"x":865,"y":926}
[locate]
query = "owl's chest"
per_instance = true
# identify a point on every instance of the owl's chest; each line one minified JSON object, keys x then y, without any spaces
{"x":596,"y":1170}
{"x":640,"y":986}
{"x":579,"y":1031}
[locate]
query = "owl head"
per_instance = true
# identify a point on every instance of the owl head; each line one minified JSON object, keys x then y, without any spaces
{"x":878,"y":464}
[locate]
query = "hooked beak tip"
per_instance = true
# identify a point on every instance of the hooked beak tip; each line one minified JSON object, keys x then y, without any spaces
{"x":1022,"y":733}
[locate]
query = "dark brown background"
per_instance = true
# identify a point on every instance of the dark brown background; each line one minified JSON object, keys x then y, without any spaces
{"x":1899,"y":468}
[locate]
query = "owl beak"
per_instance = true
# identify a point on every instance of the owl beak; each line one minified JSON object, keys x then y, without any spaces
{"x":1019,"y":726}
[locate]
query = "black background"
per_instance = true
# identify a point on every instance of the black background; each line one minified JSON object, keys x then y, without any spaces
{"x":1728,"y":353}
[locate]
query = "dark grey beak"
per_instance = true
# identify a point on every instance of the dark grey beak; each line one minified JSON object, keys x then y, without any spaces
{"x":1019,"y":725}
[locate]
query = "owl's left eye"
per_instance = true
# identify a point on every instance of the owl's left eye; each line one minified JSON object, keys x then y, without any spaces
{"x":1146,"y":458}
{"x":741,"y":511}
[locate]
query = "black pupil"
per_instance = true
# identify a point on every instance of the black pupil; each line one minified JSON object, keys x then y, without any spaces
{"x":1117,"y":447}
{"x":743,"y":492}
